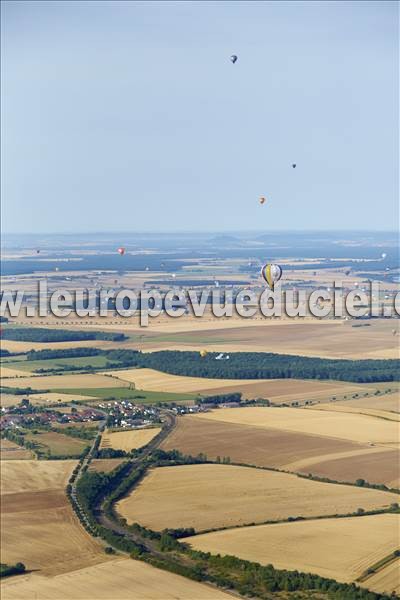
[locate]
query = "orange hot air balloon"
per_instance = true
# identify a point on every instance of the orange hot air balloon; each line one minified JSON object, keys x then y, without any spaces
{"x":121,"y":251}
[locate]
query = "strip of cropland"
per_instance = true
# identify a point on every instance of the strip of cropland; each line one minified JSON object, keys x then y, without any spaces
{"x":277,"y":390}
{"x":338,"y":548}
{"x":122,"y":579}
{"x":211,"y":496}
{"x":344,"y":426}
{"x":262,"y":446}
{"x":128,"y":440}
{"x":328,"y":339}
{"x":39,"y":528}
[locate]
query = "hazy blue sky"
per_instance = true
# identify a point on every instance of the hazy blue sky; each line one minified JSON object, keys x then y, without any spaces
{"x":129,"y":115}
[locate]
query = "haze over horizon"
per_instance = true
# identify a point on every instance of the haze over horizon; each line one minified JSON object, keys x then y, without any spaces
{"x":128,"y":116}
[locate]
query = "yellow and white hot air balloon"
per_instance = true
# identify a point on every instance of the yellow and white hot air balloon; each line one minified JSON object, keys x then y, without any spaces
{"x":203,"y":353}
{"x":271,"y":273}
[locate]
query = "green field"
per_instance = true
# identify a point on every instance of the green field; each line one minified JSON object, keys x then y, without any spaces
{"x":97,"y":362}
{"x":57,"y":444}
{"x":13,"y":359}
{"x":139,"y":396}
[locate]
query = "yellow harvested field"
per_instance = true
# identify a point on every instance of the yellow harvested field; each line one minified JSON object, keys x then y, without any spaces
{"x":7,"y":400}
{"x":356,"y":428}
{"x":255,"y":445}
{"x":279,"y":390}
{"x":309,"y":337}
{"x":386,"y":580}
{"x":337,"y":459}
{"x":150,"y":379}
{"x":11,"y":451}
{"x":6,"y":372}
{"x":37,"y":523}
{"x":46,"y":398}
{"x":381,"y":465}
{"x":372,"y":412}
{"x":128,"y":440}
{"x":35,"y":475}
{"x":341,"y":549}
{"x":208,"y":495}
{"x":105,"y":465}
{"x":64,"y":382}
{"x":387,"y":402}
{"x":121,"y":579}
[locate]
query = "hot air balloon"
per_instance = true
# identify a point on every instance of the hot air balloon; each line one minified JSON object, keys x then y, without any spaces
{"x":173,"y":275}
{"x":294,"y":165}
{"x":147,"y":268}
{"x":271,"y":273}
{"x":121,"y":251}
{"x":383,"y":255}
{"x":57,"y":269}
{"x":347,"y":272}
{"x":203,"y":353}
{"x":38,"y":251}
{"x":262,"y":200}
{"x":233,"y":58}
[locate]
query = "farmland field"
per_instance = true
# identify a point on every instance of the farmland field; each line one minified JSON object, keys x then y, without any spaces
{"x":56,"y":363}
{"x":372,"y":412}
{"x":9,"y":371}
{"x":58,"y":443}
{"x":128,"y":440}
{"x":340,"y":460}
{"x":34,"y":475}
{"x":138,"y":396}
{"x":375,"y":466}
{"x":121,"y":579}
{"x":351,"y":427}
{"x":252,"y":445}
{"x":207,"y":496}
{"x":325,"y":339}
{"x":105,"y":465}
{"x":388,"y":402}
{"x":278,"y":390}
{"x":11,"y":451}
{"x":51,"y":382}
{"x":339,"y":548}
{"x":386,"y":580}
{"x":40,"y":399}
{"x":18,"y":346}
{"x":38,"y":525}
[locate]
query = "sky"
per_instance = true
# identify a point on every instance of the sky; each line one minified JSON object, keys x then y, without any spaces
{"x":129,"y":116}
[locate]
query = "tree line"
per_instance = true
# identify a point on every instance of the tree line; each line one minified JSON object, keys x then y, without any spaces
{"x":266,"y":365}
{"x":220,"y":398}
{"x":40,"y":334}
{"x":242,"y":365}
